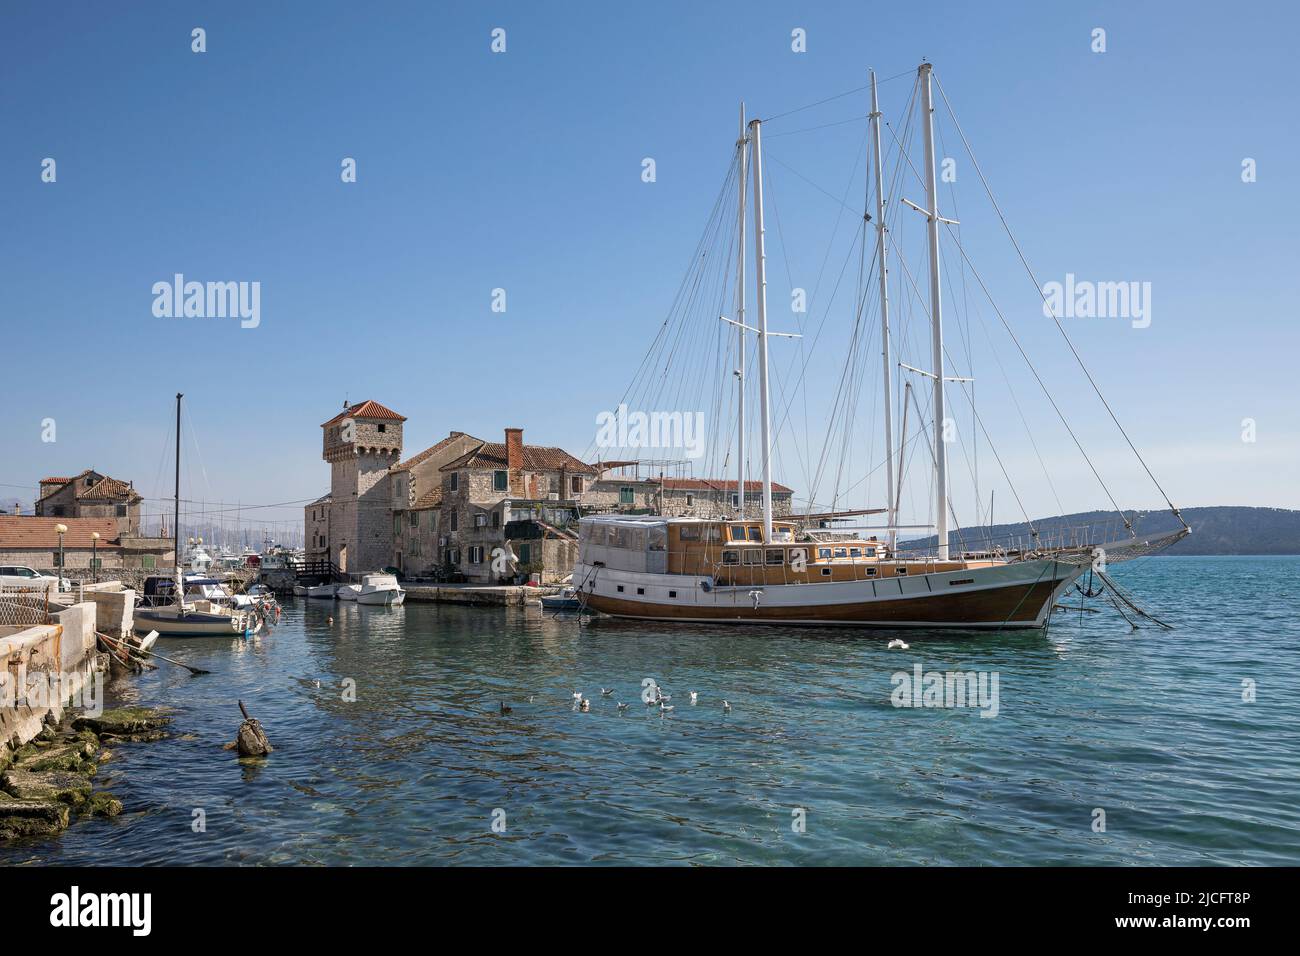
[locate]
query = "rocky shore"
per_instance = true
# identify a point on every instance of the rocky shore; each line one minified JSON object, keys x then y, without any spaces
{"x":47,"y":783}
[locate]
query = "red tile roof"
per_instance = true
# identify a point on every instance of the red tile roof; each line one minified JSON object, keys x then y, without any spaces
{"x":536,"y":458}
{"x":367,"y":409}
{"x":716,"y":484}
{"x":431,"y":450}
{"x":104,"y":489}
{"x":430,"y":499}
{"x":111,"y":488}
{"x":28,"y":533}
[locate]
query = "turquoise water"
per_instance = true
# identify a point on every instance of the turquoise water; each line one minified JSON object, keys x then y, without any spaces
{"x":1149,"y":726}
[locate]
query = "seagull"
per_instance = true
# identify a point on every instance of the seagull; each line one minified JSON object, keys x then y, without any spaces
{"x":606,"y":693}
{"x":896,"y":643}
{"x":622,"y":707}
{"x":695,"y":698}
{"x":585,"y":705}
{"x":577,"y":696}
{"x":663,"y":708}
{"x":318,"y":683}
{"x":530,"y":698}
{"x":504,"y":708}
{"x":726,"y":708}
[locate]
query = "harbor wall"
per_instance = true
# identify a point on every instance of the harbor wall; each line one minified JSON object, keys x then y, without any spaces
{"x":42,"y":668}
{"x":493,"y":595}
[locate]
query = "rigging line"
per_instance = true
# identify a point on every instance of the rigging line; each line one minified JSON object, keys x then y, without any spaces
{"x":1025,"y":262}
{"x":657,"y":341}
{"x":785,"y":255}
{"x":837,"y":96}
{"x":1041,"y":384}
{"x":922,"y":305}
{"x":767,"y":153}
{"x":812,"y":129}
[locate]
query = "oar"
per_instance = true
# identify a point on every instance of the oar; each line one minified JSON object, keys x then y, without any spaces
{"x":137,"y":650}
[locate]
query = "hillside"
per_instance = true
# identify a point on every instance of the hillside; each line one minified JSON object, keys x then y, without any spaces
{"x":1221,"y":530}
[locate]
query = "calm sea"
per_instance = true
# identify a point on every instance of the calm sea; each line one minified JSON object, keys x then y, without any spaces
{"x":814,"y":764}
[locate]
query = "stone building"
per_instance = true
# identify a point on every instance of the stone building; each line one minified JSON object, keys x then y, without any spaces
{"x":448,"y":510}
{"x":508,"y":509}
{"x":316,"y":529}
{"x":624,"y":486}
{"x":718,"y":498}
{"x":416,"y":486}
{"x":361,"y":444}
{"x":90,"y":495}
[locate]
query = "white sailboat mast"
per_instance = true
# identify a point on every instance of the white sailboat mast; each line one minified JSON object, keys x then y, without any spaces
{"x":741,"y":144}
{"x":760,"y":266}
{"x":887,"y":369}
{"x":936,"y":319}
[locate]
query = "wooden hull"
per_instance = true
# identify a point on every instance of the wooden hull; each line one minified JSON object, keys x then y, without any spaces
{"x":1019,"y":595}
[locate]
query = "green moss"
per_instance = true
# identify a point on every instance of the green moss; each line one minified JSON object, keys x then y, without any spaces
{"x":102,"y":804}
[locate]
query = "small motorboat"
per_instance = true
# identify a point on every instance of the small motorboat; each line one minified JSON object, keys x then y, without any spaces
{"x":348,"y":592}
{"x":300,"y":590}
{"x":566,"y":600}
{"x":380,"y":589}
{"x":322,"y":591}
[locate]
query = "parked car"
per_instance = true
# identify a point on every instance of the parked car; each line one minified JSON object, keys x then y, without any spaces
{"x":16,"y":575}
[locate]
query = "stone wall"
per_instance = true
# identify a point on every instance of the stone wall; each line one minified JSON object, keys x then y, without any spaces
{"x":42,"y":668}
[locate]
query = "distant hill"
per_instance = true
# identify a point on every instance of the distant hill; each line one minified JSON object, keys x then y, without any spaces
{"x":1224,"y":530}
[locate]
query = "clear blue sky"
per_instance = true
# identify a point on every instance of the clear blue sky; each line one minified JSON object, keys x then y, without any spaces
{"x":523,"y":171}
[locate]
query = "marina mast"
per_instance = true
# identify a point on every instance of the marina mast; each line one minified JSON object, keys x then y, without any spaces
{"x":887,"y":378}
{"x":760,"y":266}
{"x":936,"y":319}
{"x":741,"y":144}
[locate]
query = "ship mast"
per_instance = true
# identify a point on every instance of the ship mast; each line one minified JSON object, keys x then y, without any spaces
{"x":760,"y":267}
{"x":936,"y":319}
{"x":740,"y":317}
{"x":178,"y":585}
{"x":887,"y":378}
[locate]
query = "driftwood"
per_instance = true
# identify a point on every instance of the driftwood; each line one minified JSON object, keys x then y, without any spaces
{"x":251,"y":740}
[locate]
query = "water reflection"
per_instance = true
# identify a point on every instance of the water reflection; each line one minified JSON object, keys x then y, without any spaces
{"x":411,"y":769}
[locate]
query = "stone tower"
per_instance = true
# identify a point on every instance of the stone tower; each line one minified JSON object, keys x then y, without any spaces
{"x":361,"y":443}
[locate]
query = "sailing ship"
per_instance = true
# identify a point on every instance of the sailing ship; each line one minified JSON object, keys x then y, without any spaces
{"x":740,"y":569}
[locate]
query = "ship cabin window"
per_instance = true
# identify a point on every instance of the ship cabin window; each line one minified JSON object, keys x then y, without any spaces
{"x":900,"y":570}
{"x":753,"y":556}
{"x":823,"y":554}
{"x":755,"y":534}
{"x":841,"y":552}
{"x":776,"y":557}
{"x":871,"y":552}
{"x":730,"y":557}
{"x":672,"y":594}
{"x":871,"y":572}
{"x":855,"y":552}
{"x":826,"y":572}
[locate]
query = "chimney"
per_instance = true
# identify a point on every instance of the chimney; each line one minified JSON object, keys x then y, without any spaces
{"x":18,"y":508}
{"x":514,"y":448}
